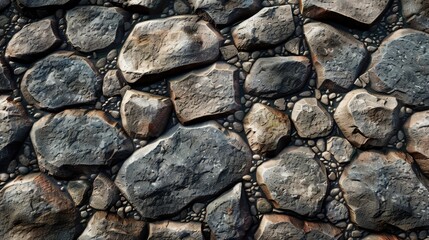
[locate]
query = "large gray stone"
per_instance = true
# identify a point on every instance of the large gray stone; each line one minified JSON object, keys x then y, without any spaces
{"x":78,"y":140}
{"x":148,"y":49}
{"x":61,"y":79}
{"x":416,"y":13}
{"x":416,"y":130}
{"x":400,"y":67}
{"x":42,"y":3}
{"x":175,"y":231}
{"x":5,"y":77}
{"x":185,"y":164}
{"x":382,"y":190}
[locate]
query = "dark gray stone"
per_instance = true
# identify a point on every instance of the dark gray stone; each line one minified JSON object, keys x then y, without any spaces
{"x":113,"y":82}
{"x":5,"y":77}
{"x":42,"y":3}
{"x":78,"y":190}
{"x":104,"y":193}
{"x":4,"y":4}
{"x":416,"y":13}
{"x":336,"y":211}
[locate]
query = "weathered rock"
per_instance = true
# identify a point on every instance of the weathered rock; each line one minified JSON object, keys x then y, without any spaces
{"x":175,"y":231}
{"x":416,"y":130}
{"x":78,"y":190}
{"x":148,"y":49}
{"x":266,"y":128}
{"x":365,"y":11}
{"x":341,"y":149}
{"x":145,"y":115}
{"x":150,"y":6}
{"x":78,"y":140}
{"x":227,"y":12}
{"x":112,"y":227}
{"x":228,"y":51}
{"x":91,"y":28}
{"x":42,"y":3}
{"x":5,"y":77}
{"x":399,"y":67}
{"x":277,"y":76}
{"x":185,"y":164}
{"x":34,"y":208}
{"x":294,"y":180}
{"x":416,"y":13}
{"x":337,"y":56}
{"x":113,"y":82}
{"x":254,"y":33}
{"x":336,"y":211}
{"x":277,"y":226}
{"x":228,"y":216}
{"x":380,"y":237}
{"x":311,"y":119}
{"x":367,"y":119}
{"x":59,"y":80}
{"x":33,"y":40}
{"x":382,"y":190}
{"x":4,"y":4}
{"x":104,"y":193}
{"x":14,"y":127}
{"x":207,"y":92}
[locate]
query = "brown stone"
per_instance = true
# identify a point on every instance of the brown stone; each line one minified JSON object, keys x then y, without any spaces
{"x":416,"y":130}
{"x":311,"y":119}
{"x":175,"y":231}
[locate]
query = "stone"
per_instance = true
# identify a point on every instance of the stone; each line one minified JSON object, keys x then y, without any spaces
{"x":367,"y":120}
{"x":14,"y":128}
{"x":340,"y":148}
{"x":227,"y":12}
{"x":91,"y":28}
{"x":382,"y":190}
{"x":113,"y":82}
{"x":278,"y":226}
{"x":175,"y":231}
{"x":148,"y":6}
{"x":184,"y":164}
{"x":399,"y":67}
{"x":34,"y":40}
{"x":294,"y":180}
{"x":364,"y":12}
{"x":148,"y":50}
{"x":311,"y":119}
{"x":380,"y":237}
{"x":253,"y":32}
{"x":336,"y":211}
{"x":416,"y":130}
{"x":104,"y":193}
{"x":78,"y":191}
{"x":275,"y":77}
{"x":145,"y":115}
{"x":416,"y":13}
{"x":34,"y":208}
{"x":228,"y":216}
{"x":61,"y":79}
{"x":78,"y":140}
{"x":43,"y":3}
{"x":103,"y":225}
{"x":5,"y":77}
{"x":337,"y":56}
{"x":228,"y":52}
{"x":4,"y":4}
{"x":267,"y":129}
{"x":208,"y":92}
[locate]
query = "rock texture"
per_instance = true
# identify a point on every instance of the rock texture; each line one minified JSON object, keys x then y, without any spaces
{"x":150,"y":6}
{"x":382,"y":190}
{"x":166,"y":175}
{"x":380,"y":237}
{"x":4,"y":4}
{"x":277,"y":76}
{"x":416,"y":13}
{"x":175,"y":231}
{"x":252,"y":33}
{"x":148,"y":49}
{"x":340,"y":149}
{"x":310,"y":119}
{"x":294,"y":180}
{"x":337,"y":56}
{"x":78,"y":191}
{"x":208,"y":92}
{"x":104,"y":193}
{"x":34,"y":208}
{"x":113,"y":82}
{"x":399,"y":67}
{"x":5,"y":77}
{"x":367,"y":119}
{"x":77,"y":140}
{"x":417,"y":135}
{"x":61,"y":79}
{"x":42,"y":3}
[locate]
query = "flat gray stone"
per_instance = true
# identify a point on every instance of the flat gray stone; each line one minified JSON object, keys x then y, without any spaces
{"x":340,"y":149}
{"x":416,"y":13}
{"x":113,"y":82}
{"x":78,"y":191}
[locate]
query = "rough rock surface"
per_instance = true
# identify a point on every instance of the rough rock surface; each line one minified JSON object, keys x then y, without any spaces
{"x":380,"y":237}
{"x":294,"y":180}
{"x":113,"y":82}
{"x":148,"y":49}
{"x":78,"y":191}
{"x":365,"y":11}
{"x":311,"y":119}
{"x":4,"y":4}
{"x":254,"y":33}
{"x":207,"y":92}
{"x":416,"y":13}
{"x":416,"y":130}
{"x":227,"y":12}
{"x":175,"y":231}
{"x":5,"y":77}
{"x":266,"y":128}
{"x":34,"y":208}
{"x":367,"y":119}
{"x":14,"y":127}
{"x":337,"y":56}
{"x":382,"y":190}
{"x":336,"y":211}
{"x":59,"y":80}
{"x":91,"y":28}
{"x":33,"y":40}
{"x":42,"y":3}
{"x":277,"y":76}
{"x":340,"y":149}
{"x":399,"y":67}
{"x":76,"y":140}
{"x":145,"y":115}
{"x":277,"y":226}
{"x":228,"y":216}
{"x":104,"y":193}
{"x":181,"y":166}
{"x":112,"y":227}
{"x":145,"y":5}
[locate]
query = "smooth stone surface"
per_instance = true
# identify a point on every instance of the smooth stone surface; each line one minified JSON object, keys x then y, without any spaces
{"x":104,"y":193}
{"x":175,"y":231}
{"x":416,"y":130}
{"x":416,"y":13}
{"x":311,"y":119}
{"x":78,"y":191}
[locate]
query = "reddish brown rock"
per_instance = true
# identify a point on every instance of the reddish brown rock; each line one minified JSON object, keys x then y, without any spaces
{"x":175,"y":231}
{"x":416,"y":130}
